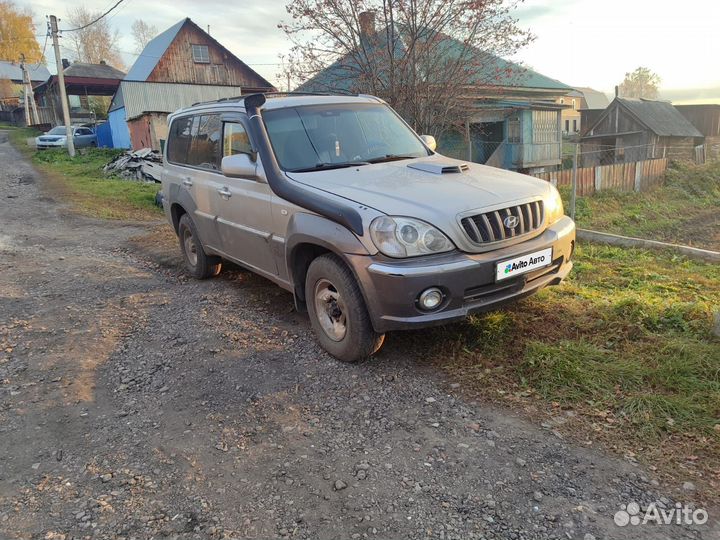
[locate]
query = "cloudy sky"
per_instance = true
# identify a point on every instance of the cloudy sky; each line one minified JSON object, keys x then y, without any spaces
{"x":579,"y":42}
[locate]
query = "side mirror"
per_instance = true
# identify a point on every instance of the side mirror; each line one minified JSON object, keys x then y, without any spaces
{"x":429,"y":141}
{"x":238,"y":166}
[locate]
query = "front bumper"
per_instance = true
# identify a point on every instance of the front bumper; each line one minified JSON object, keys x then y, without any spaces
{"x":391,"y":287}
{"x":45,"y":145}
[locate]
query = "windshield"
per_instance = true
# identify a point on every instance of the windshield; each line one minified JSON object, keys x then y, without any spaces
{"x":330,"y":136}
{"x":57,"y":130}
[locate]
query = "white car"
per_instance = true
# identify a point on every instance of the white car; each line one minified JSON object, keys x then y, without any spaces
{"x":57,"y":138}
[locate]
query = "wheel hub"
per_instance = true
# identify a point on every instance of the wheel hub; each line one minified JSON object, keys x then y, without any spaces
{"x":330,"y":310}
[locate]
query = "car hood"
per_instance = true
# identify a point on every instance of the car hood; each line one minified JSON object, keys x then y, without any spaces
{"x":397,"y":188}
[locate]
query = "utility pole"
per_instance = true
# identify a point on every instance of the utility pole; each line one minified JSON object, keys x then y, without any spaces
{"x":61,"y":84}
{"x":25,"y":96}
{"x":29,"y":94}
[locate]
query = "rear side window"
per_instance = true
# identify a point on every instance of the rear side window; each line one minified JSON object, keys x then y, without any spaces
{"x":195,"y":140}
{"x":179,"y":140}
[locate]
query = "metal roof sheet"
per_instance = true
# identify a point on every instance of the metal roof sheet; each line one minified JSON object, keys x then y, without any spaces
{"x":494,"y":71}
{"x":153,"y":51}
{"x":139,"y":97}
{"x":660,"y":117}
{"x":12,"y":71}
{"x":593,"y":98}
{"x":93,"y":71}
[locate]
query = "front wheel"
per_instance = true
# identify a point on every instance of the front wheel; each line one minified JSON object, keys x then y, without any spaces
{"x":337,"y":311}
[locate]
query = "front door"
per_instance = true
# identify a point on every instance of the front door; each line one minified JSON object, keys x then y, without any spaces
{"x":243,"y":209}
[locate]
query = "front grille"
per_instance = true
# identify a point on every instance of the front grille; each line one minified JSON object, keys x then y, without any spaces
{"x":490,"y":226}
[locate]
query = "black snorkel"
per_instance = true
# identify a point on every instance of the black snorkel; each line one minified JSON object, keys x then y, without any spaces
{"x":283,"y":187}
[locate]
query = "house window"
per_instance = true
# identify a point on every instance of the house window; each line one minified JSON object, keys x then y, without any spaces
{"x":545,"y":127}
{"x":562,"y":101}
{"x":514,"y":132}
{"x":573,"y":104}
{"x":575,"y":126}
{"x":201,"y":54}
{"x":567,"y":126}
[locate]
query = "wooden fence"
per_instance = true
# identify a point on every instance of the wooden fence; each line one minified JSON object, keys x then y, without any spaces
{"x":632,"y":176}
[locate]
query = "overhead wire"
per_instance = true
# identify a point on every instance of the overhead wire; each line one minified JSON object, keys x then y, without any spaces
{"x":83,"y":27}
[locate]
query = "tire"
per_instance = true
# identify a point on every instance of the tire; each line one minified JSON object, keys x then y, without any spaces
{"x":337,"y":311}
{"x":198,"y":263}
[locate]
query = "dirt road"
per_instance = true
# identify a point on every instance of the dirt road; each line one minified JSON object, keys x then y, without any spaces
{"x":135,"y":403}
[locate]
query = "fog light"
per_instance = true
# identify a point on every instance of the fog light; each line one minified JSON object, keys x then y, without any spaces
{"x":430,"y":298}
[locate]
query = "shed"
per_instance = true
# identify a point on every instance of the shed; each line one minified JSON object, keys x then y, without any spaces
{"x":639,"y":129}
{"x":82,"y":82}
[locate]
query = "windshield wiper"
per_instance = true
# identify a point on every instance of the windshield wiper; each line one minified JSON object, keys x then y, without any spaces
{"x":391,"y":157}
{"x":328,"y":166}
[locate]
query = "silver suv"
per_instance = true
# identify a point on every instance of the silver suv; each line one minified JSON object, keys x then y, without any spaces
{"x":336,"y":199}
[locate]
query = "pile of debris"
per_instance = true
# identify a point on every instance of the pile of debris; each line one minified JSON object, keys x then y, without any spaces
{"x":144,"y":165}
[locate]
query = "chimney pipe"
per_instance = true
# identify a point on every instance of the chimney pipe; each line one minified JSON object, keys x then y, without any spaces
{"x":367,"y":23}
{"x":617,"y":90}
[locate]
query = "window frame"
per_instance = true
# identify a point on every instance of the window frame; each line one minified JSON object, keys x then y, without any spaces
{"x":235,"y":120}
{"x":200,"y":46}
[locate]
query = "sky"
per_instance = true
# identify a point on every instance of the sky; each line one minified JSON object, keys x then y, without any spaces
{"x":579,"y":42}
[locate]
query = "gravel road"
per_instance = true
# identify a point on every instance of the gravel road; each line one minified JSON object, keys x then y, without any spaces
{"x":136,"y":403}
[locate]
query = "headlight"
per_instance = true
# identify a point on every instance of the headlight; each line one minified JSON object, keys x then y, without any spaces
{"x":554,"y":206}
{"x":406,"y":237}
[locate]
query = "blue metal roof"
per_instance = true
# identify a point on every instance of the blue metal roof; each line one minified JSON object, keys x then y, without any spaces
{"x":153,"y":51}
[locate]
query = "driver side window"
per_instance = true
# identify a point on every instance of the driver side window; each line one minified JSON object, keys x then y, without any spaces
{"x":236,"y":140}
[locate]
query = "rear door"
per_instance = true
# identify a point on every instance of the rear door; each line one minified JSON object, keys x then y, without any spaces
{"x":242,"y":205}
{"x":192,"y":168}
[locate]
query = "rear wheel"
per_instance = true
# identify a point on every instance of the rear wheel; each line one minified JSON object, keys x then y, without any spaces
{"x":198,"y":263}
{"x":337,"y":311}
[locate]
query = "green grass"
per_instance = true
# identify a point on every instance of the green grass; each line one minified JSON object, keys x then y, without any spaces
{"x":95,"y":193}
{"x":682,"y":210}
{"x":82,"y":181}
{"x":629,"y":333}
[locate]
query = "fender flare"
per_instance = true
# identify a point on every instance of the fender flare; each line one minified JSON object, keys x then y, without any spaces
{"x":304,"y":229}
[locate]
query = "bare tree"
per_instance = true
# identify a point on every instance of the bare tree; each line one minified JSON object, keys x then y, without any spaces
{"x":142,"y":33}
{"x":98,"y":42}
{"x":641,"y":83}
{"x":430,"y":59}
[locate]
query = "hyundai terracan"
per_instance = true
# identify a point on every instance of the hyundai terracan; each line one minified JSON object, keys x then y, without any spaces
{"x":336,"y":199}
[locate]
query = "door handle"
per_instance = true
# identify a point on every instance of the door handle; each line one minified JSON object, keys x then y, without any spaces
{"x":224,"y":192}
{"x":187,"y":182}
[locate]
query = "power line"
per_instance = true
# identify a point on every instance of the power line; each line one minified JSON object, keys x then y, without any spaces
{"x":42,"y":55}
{"x":116,"y":4}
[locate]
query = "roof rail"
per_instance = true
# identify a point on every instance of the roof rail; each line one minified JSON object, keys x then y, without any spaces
{"x":266,"y":94}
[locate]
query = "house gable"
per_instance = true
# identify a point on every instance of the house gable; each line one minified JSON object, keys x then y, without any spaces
{"x":169,"y":58}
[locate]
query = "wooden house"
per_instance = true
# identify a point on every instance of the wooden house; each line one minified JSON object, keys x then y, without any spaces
{"x":578,"y":101}
{"x":11,"y":85}
{"x":514,"y":121}
{"x":179,"y":67}
{"x":636,"y":130}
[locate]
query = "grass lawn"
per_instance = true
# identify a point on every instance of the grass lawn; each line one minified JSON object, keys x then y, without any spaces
{"x":683,"y":210}
{"x":82,"y":182}
{"x":621,"y":353}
